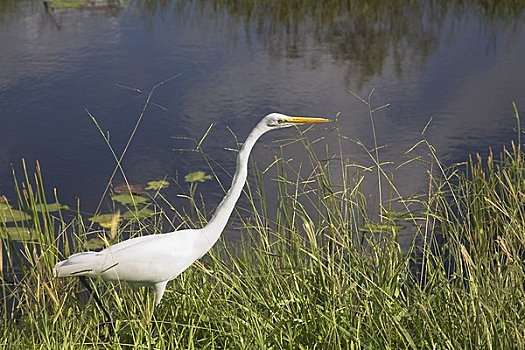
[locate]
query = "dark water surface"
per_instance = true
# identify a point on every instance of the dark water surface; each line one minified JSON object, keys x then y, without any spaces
{"x":461,"y":65}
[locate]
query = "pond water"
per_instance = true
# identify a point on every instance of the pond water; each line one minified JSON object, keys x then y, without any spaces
{"x":458,"y":64}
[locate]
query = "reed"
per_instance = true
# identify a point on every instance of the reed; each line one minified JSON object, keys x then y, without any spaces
{"x":324,"y":270}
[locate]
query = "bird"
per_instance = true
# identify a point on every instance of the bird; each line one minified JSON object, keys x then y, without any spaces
{"x":154,"y":260}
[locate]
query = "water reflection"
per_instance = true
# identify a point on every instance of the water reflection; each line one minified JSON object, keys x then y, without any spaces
{"x":453,"y":60}
{"x":97,"y":5}
{"x":363,"y":35}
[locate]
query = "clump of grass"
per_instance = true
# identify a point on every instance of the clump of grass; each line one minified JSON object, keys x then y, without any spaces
{"x":319,"y":272}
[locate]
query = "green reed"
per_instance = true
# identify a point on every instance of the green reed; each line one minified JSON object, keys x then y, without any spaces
{"x":318,"y":267}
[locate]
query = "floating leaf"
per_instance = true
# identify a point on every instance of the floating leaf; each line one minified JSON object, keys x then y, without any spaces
{"x":67,"y":4}
{"x":95,"y":243}
{"x":50,"y":207}
{"x":128,"y":199}
{"x":4,"y":206}
{"x":138,"y":214}
{"x":71,"y":5}
{"x":398,"y":215}
{"x":19,"y":234}
{"x":197,"y":176}
{"x":114,"y":225}
{"x":104,"y":220}
{"x":380,"y":228}
{"x":13,"y":215}
{"x":157,"y":185}
{"x":127,"y":188}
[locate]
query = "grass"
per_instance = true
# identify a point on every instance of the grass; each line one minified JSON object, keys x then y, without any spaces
{"x":324,"y":271}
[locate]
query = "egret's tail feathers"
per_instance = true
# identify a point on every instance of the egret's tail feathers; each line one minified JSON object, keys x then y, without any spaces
{"x":81,"y":264}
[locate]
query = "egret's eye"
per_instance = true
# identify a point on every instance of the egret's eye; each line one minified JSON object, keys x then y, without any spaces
{"x":277,"y":122}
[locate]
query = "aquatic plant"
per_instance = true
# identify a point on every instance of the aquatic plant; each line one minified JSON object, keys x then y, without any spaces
{"x":316,"y":267}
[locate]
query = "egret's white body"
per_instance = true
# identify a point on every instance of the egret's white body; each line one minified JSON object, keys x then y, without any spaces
{"x":149,"y":260}
{"x":157,"y":259}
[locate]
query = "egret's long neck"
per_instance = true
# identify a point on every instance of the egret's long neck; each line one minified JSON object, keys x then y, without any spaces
{"x":216,"y":225}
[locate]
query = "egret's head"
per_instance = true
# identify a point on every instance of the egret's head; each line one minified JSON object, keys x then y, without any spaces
{"x":277,"y":120}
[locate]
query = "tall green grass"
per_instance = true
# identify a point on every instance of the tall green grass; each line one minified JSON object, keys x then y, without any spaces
{"x":322,"y":271}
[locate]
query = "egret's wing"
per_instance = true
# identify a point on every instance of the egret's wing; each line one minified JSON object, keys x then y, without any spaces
{"x":81,"y":264}
{"x":147,"y":259}
{"x":160,"y":258}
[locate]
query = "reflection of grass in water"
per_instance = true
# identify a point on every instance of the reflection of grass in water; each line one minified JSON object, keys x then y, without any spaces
{"x":84,"y":4}
{"x":67,"y":4}
{"x":363,"y":35}
{"x":322,"y":271}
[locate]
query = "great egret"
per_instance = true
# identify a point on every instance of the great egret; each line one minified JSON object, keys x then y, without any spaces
{"x":155,"y":260}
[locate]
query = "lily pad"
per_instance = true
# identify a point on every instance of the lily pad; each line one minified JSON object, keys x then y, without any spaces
{"x":138,"y":214}
{"x":95,"y":243}
{"x":197,"y":176}
{"x":4,"y":206}
{"x":380,"y":228}
{"x":13,"y":215}
{"x":51,"y":207}
{"x":127,"y":188}
{"x":67,"y":4}
{"x":157,"y":185}
{"x":20,"y":234}
{"x":398,"y":215}
{"x":104,"y":220}
{"x":128,"y":199}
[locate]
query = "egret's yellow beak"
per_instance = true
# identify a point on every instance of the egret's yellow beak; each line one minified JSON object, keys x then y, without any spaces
{"x":307,"y":120}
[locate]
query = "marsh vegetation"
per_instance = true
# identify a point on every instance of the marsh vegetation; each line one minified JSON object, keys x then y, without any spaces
{"x":322,"y":260}
{"x":322,"y":271}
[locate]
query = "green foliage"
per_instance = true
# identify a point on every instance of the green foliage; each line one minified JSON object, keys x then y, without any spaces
{"x":51,"y":207}
{"x":4,"y":206}
{"x":68,"y":4}
{"x":104,"y":220}
{"x":128,"y":199}
{"x":197,"y":176}
{"x":84,"y":4}
{"x":138,"y":214}
{"x":16,"y":233}
{"x":157,"y":185}
{"x":325,"y":270}
{"x":13,"y":215}
{"x":95,"y":243}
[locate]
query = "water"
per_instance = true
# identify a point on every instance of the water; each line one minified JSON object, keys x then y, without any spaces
{"x":460,"y":66}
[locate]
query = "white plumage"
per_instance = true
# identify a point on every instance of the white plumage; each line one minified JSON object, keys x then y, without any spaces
{"x":149,"y":260}
{"x":157,"y":259}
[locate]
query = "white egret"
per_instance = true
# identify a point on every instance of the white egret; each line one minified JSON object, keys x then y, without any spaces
{"x":155,"y":260}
